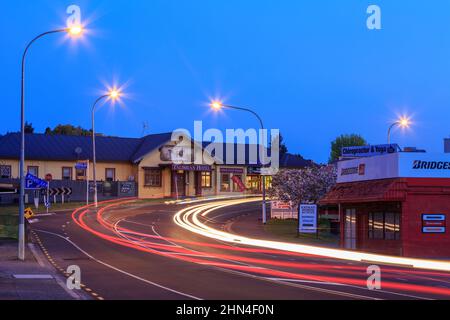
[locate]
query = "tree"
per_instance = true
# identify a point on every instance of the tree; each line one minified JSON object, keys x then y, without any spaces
{"x":29,"y":128}
{"x":283,"y":148}
{"x":68,"y":130}
{"x":345,"y":140}
{"x":307,"y":185}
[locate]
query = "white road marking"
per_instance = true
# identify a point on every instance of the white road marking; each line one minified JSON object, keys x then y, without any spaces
{"x":119,"y":270}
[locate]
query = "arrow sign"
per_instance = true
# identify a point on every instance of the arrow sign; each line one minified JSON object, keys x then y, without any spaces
{"x":33,"y":183}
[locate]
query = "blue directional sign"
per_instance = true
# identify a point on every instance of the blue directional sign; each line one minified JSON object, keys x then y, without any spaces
{"x":81,"y":166}
{"x":34,"y":183}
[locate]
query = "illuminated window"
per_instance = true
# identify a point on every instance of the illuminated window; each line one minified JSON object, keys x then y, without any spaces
{"x":206,"y":179}
{"x":152,"y":178}
{"x":225,"y":185}
{"x":384,"y":226}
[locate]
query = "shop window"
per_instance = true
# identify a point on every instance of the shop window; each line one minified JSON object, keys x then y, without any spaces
{"x":225,"y":185}
{"x":384,"y":226}
{"x":5,"y":172}
{"x":110,"y":174}
{"x":33,"y":170}
{"x":254,"y":183}
{"x":152,"y":178}
{"x":235,"y":185}
{"x":81,"y":175}
{"x":67,"y":173}
{"x":206,"y":180}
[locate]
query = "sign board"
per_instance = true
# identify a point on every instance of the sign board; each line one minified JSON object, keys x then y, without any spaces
{"x":254,"y":170}
{"x":81,"y":165}
{"x":283,"y":210}
{"x":308,"y":218}
{"x":232,"y":170}
{"x":434,"y":223}
{"x":397,"y":165}
{"x":33,"y":183}
{"x":369,"y":151}
{"x":191,"y":167}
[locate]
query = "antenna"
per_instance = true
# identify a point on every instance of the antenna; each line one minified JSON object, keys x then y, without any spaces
{"x":145,"y":128}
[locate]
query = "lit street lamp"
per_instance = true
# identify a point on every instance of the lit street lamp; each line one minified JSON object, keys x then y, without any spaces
{"x":73,"y":31}
{"x":112,"y":95}
{"x":217,"y":105}
{"x":403,"y":122}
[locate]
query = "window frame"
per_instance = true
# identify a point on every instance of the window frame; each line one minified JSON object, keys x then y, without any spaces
{"x":372,"y":228}
{"x":71,"y":173}
{"x":114,"y":174}
{"x":152,"y":171}
{"x":204,"y":175}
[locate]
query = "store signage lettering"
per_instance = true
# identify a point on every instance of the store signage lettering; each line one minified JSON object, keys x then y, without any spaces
{"x":190,"y":167}
{"x":431,"y":165}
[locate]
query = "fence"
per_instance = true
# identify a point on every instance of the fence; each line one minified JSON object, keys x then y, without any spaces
{"x":106,"y":191}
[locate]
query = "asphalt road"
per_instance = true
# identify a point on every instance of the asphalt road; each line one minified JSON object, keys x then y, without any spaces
{"x":142,"y":254}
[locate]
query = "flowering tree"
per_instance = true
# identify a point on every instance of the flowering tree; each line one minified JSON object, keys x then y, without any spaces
{"x":307,"y":185}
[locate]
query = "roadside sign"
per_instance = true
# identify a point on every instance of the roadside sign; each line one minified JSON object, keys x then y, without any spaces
{"x":308,"y":218}
{"x":282,"y":210}
{"x":82,"y":165}
{"x":29,"y":213}
{"x":33,"y":183}
{"x":434,"y":223}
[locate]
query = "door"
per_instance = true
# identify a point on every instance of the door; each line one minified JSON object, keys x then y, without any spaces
{"x":178,"y":184}
{"x":350,"y":229}
{"x":198,"y":183}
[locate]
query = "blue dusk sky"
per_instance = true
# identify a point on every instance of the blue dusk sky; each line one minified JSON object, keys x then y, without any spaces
{"x":310,"y":68}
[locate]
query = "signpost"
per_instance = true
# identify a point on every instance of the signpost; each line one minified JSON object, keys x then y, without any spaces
{"x":308,"y":219}
{"x":84,"y":165}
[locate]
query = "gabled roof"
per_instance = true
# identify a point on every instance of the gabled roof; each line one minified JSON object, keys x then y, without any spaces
{"x":73,"y":148}
{"x":113,"y":149}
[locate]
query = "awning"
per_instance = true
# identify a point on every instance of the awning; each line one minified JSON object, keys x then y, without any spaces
{"x":366,"y":191}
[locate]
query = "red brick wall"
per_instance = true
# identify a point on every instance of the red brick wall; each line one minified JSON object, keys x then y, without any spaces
{"x":425,"y":196}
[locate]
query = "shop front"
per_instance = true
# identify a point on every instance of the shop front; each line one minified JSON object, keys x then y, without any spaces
{"x":190,"y":180}
{"x":394,"y":204}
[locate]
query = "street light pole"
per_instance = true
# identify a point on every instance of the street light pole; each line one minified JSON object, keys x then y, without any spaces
{"x":217,"y":105}
{"x":402,"y":122}
{"x":21,"y":249}
{"x":114,"y":94}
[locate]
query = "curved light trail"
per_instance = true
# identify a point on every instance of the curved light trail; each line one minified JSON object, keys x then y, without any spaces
{"x":189,"y":219}
{"x":265,"y":266}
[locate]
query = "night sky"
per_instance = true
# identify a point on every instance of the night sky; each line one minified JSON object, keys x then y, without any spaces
{"x":310,"y":68}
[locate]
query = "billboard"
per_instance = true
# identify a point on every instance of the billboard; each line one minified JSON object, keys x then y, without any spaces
{"x":397,"y":165}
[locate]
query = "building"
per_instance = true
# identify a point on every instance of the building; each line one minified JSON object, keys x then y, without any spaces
{"x":395,"y":204}
{"x":155,"y":166}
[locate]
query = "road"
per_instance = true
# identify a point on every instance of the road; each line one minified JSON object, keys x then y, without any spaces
{"x":139,"y":251}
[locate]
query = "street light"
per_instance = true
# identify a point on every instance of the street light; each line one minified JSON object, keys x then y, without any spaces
{"x":217,"y":106}
{"x":113,"y":95}
{"x":73,"y":31}
{"x":403,"y":123}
